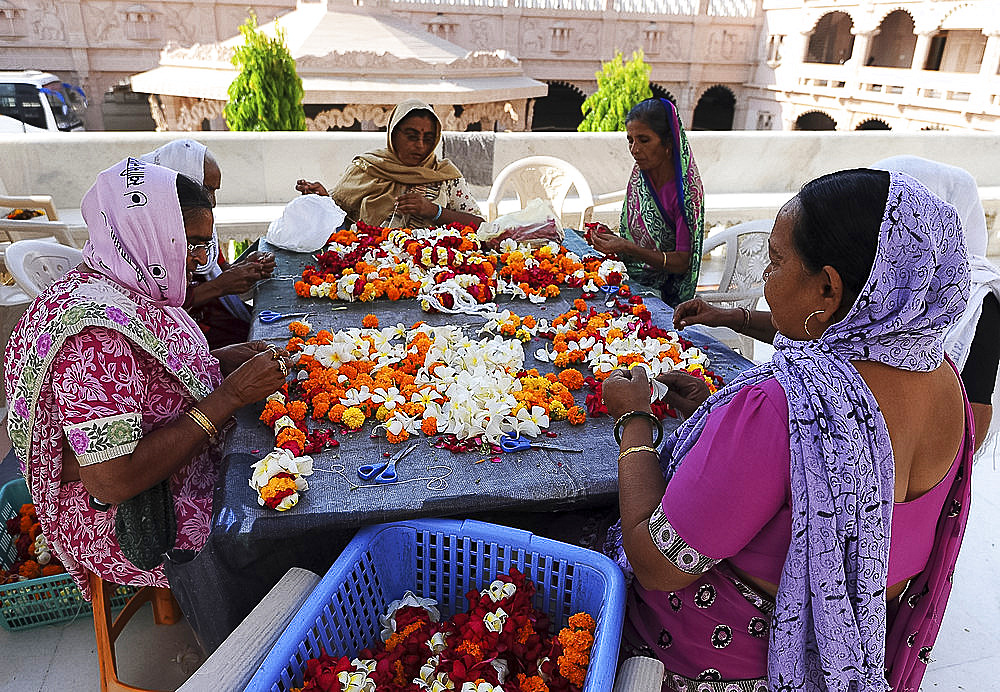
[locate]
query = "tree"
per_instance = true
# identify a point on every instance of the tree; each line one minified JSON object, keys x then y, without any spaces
{"x":620,"y":85}
{"x":267,"y":93}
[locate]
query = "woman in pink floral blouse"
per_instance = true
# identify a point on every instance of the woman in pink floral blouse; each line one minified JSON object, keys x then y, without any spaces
{"x":113,"y":388}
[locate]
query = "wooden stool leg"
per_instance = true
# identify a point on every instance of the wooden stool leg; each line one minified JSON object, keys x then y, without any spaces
{"x":166,"y":610}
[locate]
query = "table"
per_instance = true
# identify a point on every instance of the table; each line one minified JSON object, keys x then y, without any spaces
{"x":250,"y":546}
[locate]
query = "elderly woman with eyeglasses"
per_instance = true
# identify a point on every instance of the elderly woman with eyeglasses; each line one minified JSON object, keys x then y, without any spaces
{"x":404,"y":184}
{"x":113,"y":389}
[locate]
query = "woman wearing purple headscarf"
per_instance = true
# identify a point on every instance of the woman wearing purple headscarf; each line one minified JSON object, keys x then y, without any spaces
{"x":801,"y":528}
{"x":113,"y":388}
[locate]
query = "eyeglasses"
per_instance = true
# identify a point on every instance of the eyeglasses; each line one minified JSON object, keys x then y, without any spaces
{"x":196,"y":248}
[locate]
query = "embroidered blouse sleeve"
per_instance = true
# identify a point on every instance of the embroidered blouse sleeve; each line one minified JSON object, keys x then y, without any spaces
{"x":99,"y":387}
{"x":460,"y":197}
{"x":729,"y":486}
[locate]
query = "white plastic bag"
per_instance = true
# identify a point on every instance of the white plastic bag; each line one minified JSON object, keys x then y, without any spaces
{"x":536,"y":224}
{"x":306,"y":223}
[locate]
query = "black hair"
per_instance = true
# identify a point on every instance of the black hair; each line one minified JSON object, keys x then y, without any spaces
{"x":839,"y":217}
{"x":653,"y":114}
{"x":192,"y":197}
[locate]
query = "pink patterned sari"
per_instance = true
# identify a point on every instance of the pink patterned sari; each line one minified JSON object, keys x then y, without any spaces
{"x":103,"y":357}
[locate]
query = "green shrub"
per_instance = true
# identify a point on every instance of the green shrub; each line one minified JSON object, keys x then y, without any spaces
{"x":620,"y":85}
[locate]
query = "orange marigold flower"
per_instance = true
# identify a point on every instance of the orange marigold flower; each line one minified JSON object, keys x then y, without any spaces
{"x":470,"y":648}
{"x":30,"y":569}
{"x":582,"y":621}
{"x":297,"y":410}
{"x":529,"y":321}
{"x":429,"y":426}
{"x":336,"y":413}
{"x":576,"y":415}
{"x":369,"y":321}
{"x":277,"y":489}
{"x":394,"y":438}
{"x":52,"y":569}
{"x":299,"y":329}
{"x":580,"y":304}
{"x":532,"y":684}
{"x":572,"y":378}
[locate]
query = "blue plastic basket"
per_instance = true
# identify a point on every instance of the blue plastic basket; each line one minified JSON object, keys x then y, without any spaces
{"x":444,"y":560}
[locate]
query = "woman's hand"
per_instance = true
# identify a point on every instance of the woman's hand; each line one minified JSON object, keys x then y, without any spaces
{"x":626,"y":390}
{"x":685,"y":391}
{"x":608,"y":243}
{"x":258,"y":377}
{"x":415,"y":204}
{"x":239,"y":278}
{"x":263,"y":260}
{"x":233,"y":356}
{"x":308,"y":188}
{"x":697,"y":311}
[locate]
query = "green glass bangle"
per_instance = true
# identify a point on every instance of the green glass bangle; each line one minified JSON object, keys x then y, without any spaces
{"x":657,"y":426}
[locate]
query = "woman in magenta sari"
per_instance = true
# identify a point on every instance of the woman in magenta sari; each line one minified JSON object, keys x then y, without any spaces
{"x":112,"y":385}
{"x":663,"y":220}
{"x":801,"y":527}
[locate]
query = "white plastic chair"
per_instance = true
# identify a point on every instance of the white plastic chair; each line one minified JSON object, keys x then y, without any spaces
{"x":35,"y":229}
{"x":544,"y":177}
{"x":35,"y":264}
{"x":742,"y":282}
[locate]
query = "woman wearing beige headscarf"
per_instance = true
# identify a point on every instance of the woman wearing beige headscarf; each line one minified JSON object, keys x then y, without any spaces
{"x":404,"y":184}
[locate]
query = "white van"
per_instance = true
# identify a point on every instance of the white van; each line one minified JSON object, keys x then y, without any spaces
{"x":33,"y":101}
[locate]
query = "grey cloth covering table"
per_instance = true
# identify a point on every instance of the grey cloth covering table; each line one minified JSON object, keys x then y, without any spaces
{"x":564,"y":495}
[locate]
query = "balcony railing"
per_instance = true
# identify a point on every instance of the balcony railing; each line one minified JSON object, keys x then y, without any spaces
{"x":716,"y":8}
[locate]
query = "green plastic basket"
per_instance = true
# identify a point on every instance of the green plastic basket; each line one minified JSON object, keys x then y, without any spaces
{"x":42,"y":601}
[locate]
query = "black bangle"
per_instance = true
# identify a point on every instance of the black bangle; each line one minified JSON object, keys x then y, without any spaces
{"x":657,"y":426}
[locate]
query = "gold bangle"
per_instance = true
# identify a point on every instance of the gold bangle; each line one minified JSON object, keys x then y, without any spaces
{"x":195,"y":414}
{"x":664,"y":259}
{"x":642,"y":448}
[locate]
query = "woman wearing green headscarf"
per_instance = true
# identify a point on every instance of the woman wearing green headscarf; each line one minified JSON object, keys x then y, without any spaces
{"x":404,"y":184}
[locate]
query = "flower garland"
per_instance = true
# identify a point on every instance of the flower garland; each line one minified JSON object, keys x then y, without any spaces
{"x":501,"y":643}
{"x":446,"y":268}
{"x":429,"y":380}
{"x":33,"y":557}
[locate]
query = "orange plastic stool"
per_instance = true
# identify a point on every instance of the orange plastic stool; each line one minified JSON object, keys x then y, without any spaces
{"x":165,"y":612}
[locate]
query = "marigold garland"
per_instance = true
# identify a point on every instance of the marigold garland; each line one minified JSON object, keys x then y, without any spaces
{"x":33,"y":557}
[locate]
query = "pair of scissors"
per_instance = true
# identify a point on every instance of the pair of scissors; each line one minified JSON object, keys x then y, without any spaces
{"x":268,"y":316}
{"x":509,"y":442}
{"x":385,"y":472}
{"x":612,"y":292}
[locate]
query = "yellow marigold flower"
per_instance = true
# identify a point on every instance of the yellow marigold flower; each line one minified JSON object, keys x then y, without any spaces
{"x":353,"y":418}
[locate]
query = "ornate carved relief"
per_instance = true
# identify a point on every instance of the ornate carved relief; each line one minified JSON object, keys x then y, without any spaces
{"x":673,"y":44}
{"x":348,"y":115}
{"x":588,"y":37}
{"x":509,"y":116}
{"x":159,"y":115}
{"x":725,"y":45}
{"x":104,"y":22}
{"x":48,"y":22}
{"x":186,"y":24}
{"x":192,"y":112}
{"x":534,"y":36}
{"x":369,"y":62}
{"x":486,"y":32}
{"x":209,"y":52}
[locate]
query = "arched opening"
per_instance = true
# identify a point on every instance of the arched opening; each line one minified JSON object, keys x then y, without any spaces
{"x":831,"y":41}
{"x":815,"y":120}
{"x":559,"y":111}
{"x":873,"y":124}
{"x":714,"y":110}
{"x":893,"y":45}
{"x":661,"y":93}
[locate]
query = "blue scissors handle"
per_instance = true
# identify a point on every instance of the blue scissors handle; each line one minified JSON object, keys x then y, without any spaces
{"x":384,"y":472}
{"x":509,"y":442}
{"x":268,"y":316}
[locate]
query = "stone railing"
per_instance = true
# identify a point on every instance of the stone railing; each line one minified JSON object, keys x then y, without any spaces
{"x":745,"y":174}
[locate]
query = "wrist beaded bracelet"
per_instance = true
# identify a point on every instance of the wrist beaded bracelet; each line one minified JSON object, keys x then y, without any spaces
{"x":657,"y":426}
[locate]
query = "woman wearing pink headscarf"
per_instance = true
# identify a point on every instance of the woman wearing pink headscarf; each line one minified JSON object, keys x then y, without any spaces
{"x":113,"y":388}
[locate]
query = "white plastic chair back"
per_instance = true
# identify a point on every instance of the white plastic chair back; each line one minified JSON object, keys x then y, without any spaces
{"x":35,"y":264}
{"x":742,"y":281}
{"x":35,"y":229}
{"x":543,"y":177}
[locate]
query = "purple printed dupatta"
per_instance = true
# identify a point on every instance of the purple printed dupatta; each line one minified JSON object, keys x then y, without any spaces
{"x":829,"y":629}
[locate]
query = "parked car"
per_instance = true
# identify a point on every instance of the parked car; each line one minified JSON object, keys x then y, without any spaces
{"x":34,"y":101}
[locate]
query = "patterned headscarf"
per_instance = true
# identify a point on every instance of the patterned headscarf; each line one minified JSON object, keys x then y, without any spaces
{"x":121,"y":209}
{"x":829,"y":628}
{"x":646,"y":223}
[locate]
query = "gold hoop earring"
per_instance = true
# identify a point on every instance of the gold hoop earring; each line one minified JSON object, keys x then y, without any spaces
{"x":811,"y":315}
